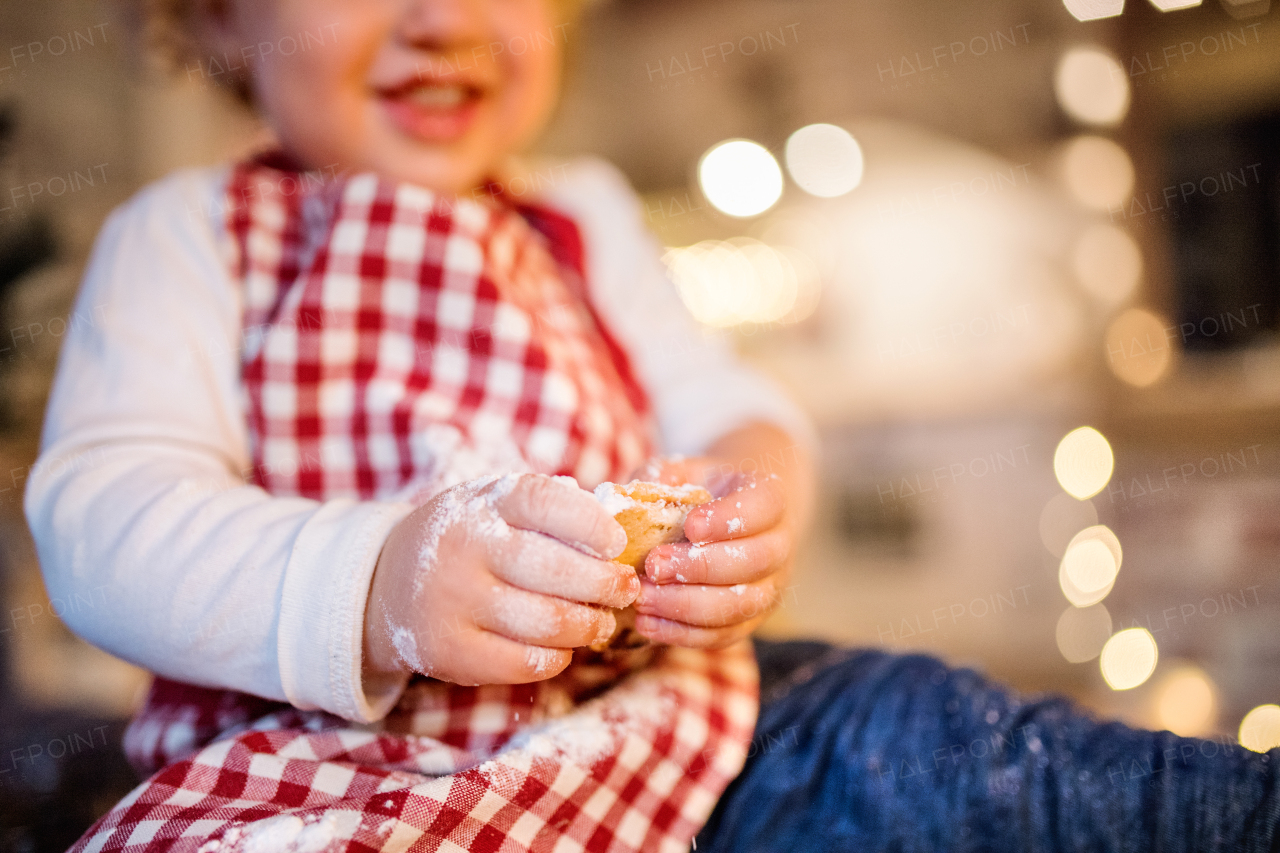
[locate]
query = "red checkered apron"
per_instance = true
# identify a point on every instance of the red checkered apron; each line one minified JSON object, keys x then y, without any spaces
{"x":397,"y":342}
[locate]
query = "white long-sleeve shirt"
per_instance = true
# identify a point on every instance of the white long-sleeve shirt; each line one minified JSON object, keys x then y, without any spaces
{"x":141,"y":485}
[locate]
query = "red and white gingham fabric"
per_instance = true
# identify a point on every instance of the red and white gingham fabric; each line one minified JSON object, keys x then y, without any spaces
{"x":397,"y":342}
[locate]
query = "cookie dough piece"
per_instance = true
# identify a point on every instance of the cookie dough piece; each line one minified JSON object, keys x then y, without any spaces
{"x":653,"y":515}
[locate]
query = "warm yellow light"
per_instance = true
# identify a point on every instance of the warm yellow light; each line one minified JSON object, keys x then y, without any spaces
{"x":1260,"y":729}
{"x":740,"y":178}
{"x":824,"y":160}
{"x":1129,"y":658}
{"x":1079,"y":597}
{"x":727,"y":283}
{"x":1082,"y":632}
{"x":1171,"y":5}
{"x":1138,"y":348}
{"x":1097,"y":172}
{"x":1083,"y":462}
{"x":1092,"y":87}
{"x":1185,"y":701}
{"x":1107,"y":263}
{"x":1061,"y":519}
{"x":1100,"y":533}
{"x":1090,"y":565}
{"x":1092,"y":10}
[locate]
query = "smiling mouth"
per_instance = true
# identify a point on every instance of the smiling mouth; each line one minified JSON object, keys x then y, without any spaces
{"x":433,"y":112}
{"x":440,"y":97}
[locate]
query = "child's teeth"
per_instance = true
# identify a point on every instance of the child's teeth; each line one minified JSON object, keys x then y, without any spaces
{"x":437,"y":97}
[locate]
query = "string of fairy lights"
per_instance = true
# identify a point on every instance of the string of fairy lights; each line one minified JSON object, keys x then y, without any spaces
{"x":741,"y":280}
{"x":1090,"y":559}
{"x":1092,"y":87}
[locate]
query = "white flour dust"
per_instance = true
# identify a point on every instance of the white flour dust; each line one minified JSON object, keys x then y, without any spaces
{"x":614,"y":501}
{"x":534,"y":617}
{"x":611,"y":499}
{"x":541,"y":659}
{"x":594,"y":731}
{"x":585,"y":741}
{"x":449,"y":459}
{"x":279,"y":834}
{"x":406,"y":646}
{"x":475,"y":501}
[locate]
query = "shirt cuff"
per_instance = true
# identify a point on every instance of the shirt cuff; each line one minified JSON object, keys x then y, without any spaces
{"x":326,"y":587}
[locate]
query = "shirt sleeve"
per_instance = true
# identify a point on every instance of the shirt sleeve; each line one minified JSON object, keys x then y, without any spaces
{"x":699,"y":388}
{"x":141,"y":491}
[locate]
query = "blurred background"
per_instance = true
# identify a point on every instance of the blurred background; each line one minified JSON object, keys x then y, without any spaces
{"x":1020,"y":260}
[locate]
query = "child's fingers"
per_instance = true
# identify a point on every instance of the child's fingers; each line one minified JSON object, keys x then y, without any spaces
{"x":544,"y":620}
{"x":557,"y":507}
{"x":753,"y":505}
{"x":706,"y":606}
{"x":737,"y":561}
{"x":538,"y":563}
{"x":676,"y":633}
{"x":489,"y":658}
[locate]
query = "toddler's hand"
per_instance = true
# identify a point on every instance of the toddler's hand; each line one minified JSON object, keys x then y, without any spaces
{"x":718,"y":587}
{"x":480,"y":585}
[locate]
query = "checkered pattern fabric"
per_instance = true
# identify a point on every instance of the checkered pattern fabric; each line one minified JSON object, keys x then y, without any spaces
{"x":397,"y":342}
{"x":636,"y":768}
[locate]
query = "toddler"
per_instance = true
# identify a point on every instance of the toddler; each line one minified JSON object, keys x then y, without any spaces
{"x":344,"y":407}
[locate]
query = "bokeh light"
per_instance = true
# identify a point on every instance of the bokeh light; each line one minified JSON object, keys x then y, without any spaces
{"x":1092,"y":86}
{"x":1100,"y":533}
{"x":1061,"y":519}
{"x":1171,"y":5}
{"x":1082,"y":632}
{"x":740,"y":177}
{"x":1107,"y":262}
{"x":1138,"y":349}
{"x":1186,"y":701}
{"x":1129,"y":658}
{"x":1260,"y":728}
{"x":1074,"y":594}
{"x":1092,"y":10}
{"x":1083,"y":462}
{"x":824,"y":160}
{"x":727,"y":283}
{"x":1097,"y":172}
{"x":1090,"y":565}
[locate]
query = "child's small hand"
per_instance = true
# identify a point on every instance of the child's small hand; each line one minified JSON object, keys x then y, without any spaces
{"x":720,"y":586}
{"x":478,"y":585}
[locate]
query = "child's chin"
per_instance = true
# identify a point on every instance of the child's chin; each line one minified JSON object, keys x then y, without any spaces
{"x":452,"y":169}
